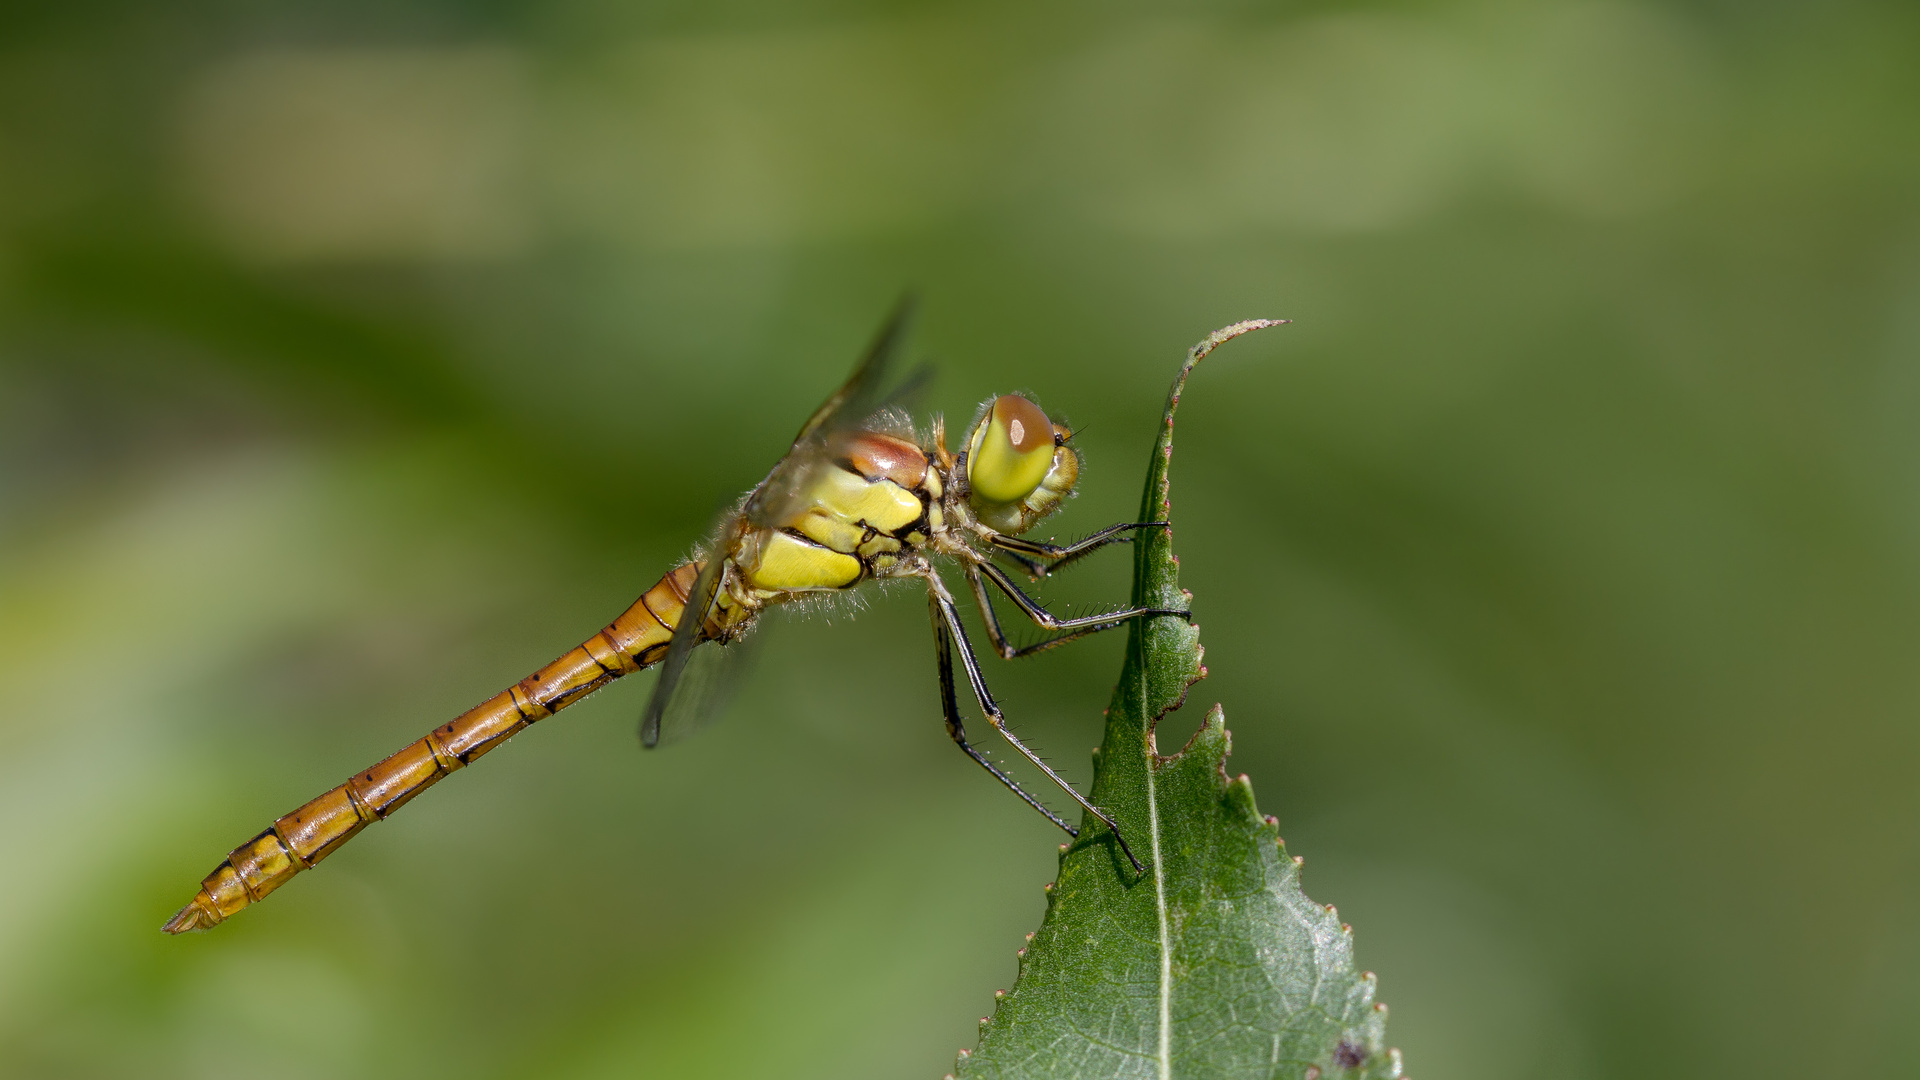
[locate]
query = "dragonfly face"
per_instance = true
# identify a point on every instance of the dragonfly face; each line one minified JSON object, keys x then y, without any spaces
{"x":859,"y":495}
{"x":1018,"y":465}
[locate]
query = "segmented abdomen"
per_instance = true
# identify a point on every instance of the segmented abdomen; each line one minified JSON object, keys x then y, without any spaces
{"x":636,"y":640}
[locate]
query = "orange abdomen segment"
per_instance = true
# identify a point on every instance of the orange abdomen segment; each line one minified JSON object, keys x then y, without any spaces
{"x":636,"y":640}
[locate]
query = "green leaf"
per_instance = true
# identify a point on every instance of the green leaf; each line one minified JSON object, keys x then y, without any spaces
{"x":1212,"y":963}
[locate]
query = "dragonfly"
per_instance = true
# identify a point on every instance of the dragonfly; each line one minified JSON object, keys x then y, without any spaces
{"x":860,"y":496}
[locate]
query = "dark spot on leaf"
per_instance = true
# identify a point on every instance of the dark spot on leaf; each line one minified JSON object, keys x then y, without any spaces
{"x":1348,"y":1056}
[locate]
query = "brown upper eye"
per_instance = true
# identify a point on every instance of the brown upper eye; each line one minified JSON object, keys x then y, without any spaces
{"x":1026,"y":425}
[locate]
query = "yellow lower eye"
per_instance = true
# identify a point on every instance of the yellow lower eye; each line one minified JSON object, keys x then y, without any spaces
{"x":1011,"y":451}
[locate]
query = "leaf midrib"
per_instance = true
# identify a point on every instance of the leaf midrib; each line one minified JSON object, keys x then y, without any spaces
{"x":1165,"y":1041}
{"x":1163,"y":448}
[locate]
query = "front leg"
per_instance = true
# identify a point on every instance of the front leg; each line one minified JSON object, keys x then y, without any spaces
{"x":950,"y":708}
{"x":947,"y":617}
{"x":1067,"y":629}
{"x":1041,"y":559}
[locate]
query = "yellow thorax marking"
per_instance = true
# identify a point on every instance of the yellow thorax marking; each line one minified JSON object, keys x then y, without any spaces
{"x":842,"y":506}
{"x":790,"y":563}
{"x":831,"y":531}
{"x":852,"y":498}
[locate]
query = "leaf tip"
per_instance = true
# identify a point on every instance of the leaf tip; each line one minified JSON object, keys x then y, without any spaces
{"x":1164,"y":662}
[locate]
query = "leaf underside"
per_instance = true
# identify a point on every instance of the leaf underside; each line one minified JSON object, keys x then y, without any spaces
{"x":1212,"y":963}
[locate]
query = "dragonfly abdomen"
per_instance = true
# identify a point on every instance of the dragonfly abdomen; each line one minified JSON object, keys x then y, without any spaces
{"x":633,"y":642}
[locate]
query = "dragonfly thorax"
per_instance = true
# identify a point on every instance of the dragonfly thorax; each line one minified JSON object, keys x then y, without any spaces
{"x":863,"y":512}
{"x":879,"y":500}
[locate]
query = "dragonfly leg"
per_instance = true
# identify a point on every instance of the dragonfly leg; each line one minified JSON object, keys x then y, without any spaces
{"x":950,"y":706}
{"x":1073,"y":628}
{"x":1042,"y":559}
{"x":948,"y":628}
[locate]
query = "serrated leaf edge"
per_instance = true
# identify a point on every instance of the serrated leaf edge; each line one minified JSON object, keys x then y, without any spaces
{"x":1379,"y":1062}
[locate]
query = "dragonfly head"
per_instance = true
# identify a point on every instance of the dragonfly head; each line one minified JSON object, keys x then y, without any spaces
{"x":1019,"y":465}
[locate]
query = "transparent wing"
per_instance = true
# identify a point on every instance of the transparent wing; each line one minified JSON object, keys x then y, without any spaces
{"x":699,"y":676}
{"x":688,"y":633}
{"x":863,"y":394}
{"x":859,"y":396}
{"x":713,"y":672}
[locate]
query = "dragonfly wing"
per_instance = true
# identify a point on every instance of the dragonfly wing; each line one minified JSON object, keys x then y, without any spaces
{"x":856,"y":401}
{"x":695,"y":682}
{"x":712,"y":674}
{"x":858,"y":397}
{"x":687,"y":633}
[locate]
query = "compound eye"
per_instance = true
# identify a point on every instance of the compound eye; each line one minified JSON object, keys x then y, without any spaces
{"x":1011,"y":451}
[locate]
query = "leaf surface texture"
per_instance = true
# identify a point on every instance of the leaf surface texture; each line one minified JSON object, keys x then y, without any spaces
{"x":1213,"y":963}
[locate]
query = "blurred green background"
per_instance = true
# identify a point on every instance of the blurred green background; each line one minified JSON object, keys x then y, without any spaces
{"x":1558,"y":569}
